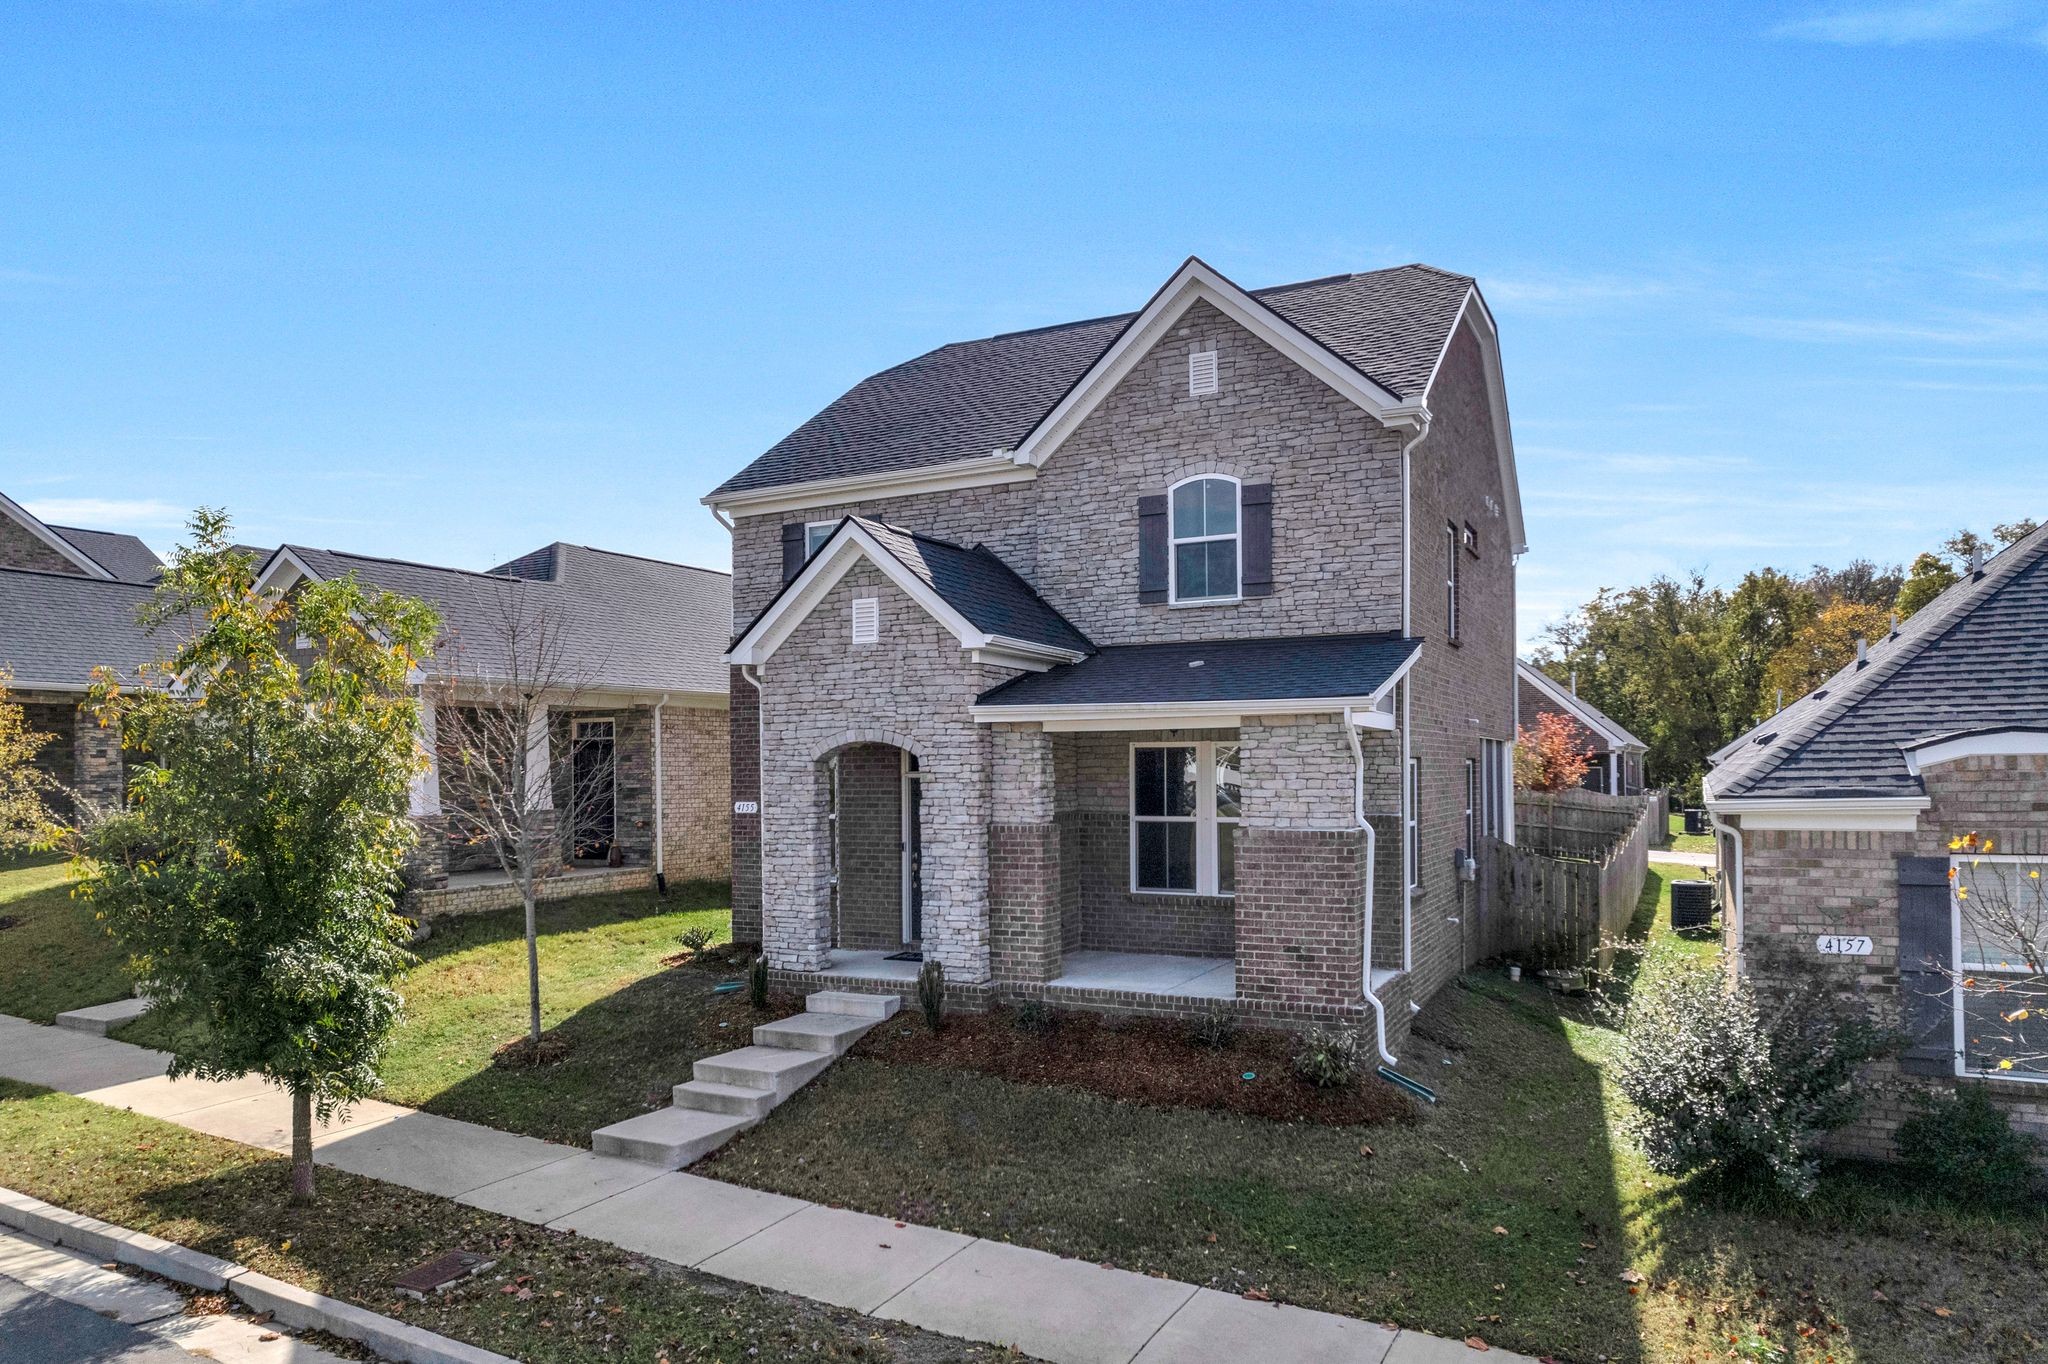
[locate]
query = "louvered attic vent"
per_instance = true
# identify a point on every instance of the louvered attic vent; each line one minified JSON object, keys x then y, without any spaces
{"x":867,"y":620}
{"x":1201,"y":372}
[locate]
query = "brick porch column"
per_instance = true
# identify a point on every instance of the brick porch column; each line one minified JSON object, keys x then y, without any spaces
{"x":1023,"y":859}
{"x":1301,"y":866}
{"x":796,"y":861}
{"x":96,"y":761}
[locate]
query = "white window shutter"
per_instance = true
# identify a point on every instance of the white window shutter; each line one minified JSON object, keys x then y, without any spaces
{"x":1201,"y":372}
{"x":867,"y":620}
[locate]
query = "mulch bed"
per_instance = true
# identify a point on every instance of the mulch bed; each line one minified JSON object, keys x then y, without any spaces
{"x":1139,"y":1060}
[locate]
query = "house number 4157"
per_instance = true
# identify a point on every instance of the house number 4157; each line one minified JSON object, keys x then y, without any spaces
{"x":1835,"y":945}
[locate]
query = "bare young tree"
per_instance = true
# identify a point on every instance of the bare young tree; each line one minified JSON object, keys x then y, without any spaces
{"x":508,"y":783}
{"x":2003,"y":973}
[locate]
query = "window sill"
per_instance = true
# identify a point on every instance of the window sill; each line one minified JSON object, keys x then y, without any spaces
{"x":1205,"y":601}
{"x":1223,"y":897}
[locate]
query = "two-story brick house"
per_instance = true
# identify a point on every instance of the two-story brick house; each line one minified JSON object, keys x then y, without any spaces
{"x":1144,"y":662}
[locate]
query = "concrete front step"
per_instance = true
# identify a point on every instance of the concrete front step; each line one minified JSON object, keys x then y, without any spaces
{"x":778,"y":1069}
{"x":876,"y":1007}
{"x":740,"y":1101}
{"x":828,"y":1033}
{"x":668,"y":1137}
{"x":102,"y":1019}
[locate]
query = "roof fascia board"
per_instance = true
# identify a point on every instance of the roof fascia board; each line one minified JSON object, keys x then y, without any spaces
{"x":35,"y":526}
{"x":1990,"y":743}
{"x":283,"y":571}
{"x":1864,"y":814}
{"x":1117,"y":715}
{"x":1197,"y":281}
{"x":848,"y":545}
{"x":1488,"y":334}
{"x":1616,"y":736}
{"x":471,"y":689}
{"x":981,"y":471}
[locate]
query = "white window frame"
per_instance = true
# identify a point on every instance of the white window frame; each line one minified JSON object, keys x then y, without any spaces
{"x":577,"y":724}
{"x":1493,"y":782}
{"x":1454,"y":551}
{"x":1959,"y":968}
{"x":1208,"y":824}
{"x":1175,"y":541}
{"x":1471,"y":807}
{"x":815,"y":535}
{"x":1411,"y":825}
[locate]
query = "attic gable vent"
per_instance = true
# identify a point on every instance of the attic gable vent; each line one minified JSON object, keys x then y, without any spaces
{"x":867,"y":620}
{"x":1201,"y":372}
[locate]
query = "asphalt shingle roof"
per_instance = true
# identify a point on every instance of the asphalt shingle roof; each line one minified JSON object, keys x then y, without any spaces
{"x":965,"y":400}
{"x":979,"y":586}
{"x":124,"y":556}
{"x":1974,"y":658}
{"x":1216,"y":670}
{"x":55,"y":628}
{"x":622,"y":621}
{"x":1586,"y":708}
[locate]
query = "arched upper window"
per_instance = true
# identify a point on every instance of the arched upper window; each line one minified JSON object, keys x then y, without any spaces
{"x":1204,"y":529}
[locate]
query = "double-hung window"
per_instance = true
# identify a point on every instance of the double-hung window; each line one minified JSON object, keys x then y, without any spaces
{"x":1411,"y":830}
{"x":1452,"y":543}
{"x":1493,"y":780}
{"x":2001,"y":965}
{"x":1185,"y":804}
{"x":816,"y":533}
{"x":1204,"y":535}
{"x":1471,"y":807}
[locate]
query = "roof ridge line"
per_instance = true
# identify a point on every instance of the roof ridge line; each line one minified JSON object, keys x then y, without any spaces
{"x":415,"y":563}
{"x":52,"y":573}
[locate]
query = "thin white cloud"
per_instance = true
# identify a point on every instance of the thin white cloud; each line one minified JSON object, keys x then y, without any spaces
{"x":108,"y":513}
{"x":1939,"y":21}
{"x":1575,"y":293}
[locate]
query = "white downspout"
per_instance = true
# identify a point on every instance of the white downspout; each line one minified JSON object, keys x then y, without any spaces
{"x":1734,"y":886}
{"x":1407,"y":711}
{"x":1372,"y":866}
{"x":660,"y":867}
{"x":751,"y":672}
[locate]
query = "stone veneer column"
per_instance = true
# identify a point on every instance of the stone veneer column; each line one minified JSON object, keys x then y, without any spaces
{"x":96,"y":761}
{"x":1023,"y":859}
{"x":1301,"y":866}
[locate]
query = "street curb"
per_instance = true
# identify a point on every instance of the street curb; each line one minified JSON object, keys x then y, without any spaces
{"x":288,"y":1303}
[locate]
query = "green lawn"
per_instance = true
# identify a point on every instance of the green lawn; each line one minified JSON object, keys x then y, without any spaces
{"x":552,"y":1298}
{"x":633,"y":1027}
{"x":1681,"y":841}
{"x":53,"y":956}
{"x":1511,"y":1211}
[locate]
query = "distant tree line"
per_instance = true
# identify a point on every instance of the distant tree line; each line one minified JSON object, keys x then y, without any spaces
{"x":1688,"y":667}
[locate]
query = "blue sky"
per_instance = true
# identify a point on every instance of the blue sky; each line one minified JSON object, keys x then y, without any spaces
{"x":447,"y":282}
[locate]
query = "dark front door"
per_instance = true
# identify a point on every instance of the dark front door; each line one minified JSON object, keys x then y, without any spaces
{"x":591,"y":775}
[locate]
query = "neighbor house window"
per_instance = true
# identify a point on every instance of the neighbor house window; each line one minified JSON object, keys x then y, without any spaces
{"x":1451,"y":560}
{"x":1204,"y":529}
{"x":816,"y":533}
{"x":1411,"y":840}
{"x":2001,"y":977}
{"x":1186,"y":800}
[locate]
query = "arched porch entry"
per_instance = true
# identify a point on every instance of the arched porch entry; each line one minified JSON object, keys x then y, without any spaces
{"x":875,"y":820}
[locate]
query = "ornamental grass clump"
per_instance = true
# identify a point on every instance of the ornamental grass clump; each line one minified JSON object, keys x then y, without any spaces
{"x":931,"y":994}
{"x":757,"y":983}
{"x":1723,"y":1082}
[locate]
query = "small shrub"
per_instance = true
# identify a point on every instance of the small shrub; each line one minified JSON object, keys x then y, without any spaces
{"x":1722,"y":1081}
{"x":695,"y":939}
{"x":1038,"y":1018}
{"x":1215,"y":1029}
{"x":1965,"y":1145}
{"x":757,"y":983}
{"x":931,"y":995}
{"x":1329,"y":1059}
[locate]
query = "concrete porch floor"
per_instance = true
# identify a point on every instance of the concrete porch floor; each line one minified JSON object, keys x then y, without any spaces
{"x":1149,"y":973}
{"x":873,"y":964}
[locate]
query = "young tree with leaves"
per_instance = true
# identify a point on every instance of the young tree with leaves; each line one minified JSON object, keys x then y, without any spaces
{"x":1821,"y":648}
{"x":1555,"y":756}
{"x":252,"y":877}
{"x":25,"y":818}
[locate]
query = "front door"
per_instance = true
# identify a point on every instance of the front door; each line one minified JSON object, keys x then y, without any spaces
{"x":593,"y":801}
{"x":913,"y":850}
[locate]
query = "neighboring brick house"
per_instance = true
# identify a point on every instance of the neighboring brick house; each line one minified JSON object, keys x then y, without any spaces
{"x":636,"y":645}
{"x":1089,"y":660}
{"x":68,"y":599}
{"x":1617,"y":755}
{"x":1838,"y":816}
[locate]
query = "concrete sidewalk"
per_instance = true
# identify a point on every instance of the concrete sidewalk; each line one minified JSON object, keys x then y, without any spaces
{"x":1067,"y":1311}
{"x":1705,"y":860}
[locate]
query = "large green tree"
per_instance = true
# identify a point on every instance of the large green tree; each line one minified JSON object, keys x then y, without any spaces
{"x":251,"y":877}
{"x":25,"y":818}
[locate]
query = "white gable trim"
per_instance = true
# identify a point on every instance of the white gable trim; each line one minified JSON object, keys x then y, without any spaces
{"x":849,"y":545}
{"x":34,"y":525}
{"x":1873,"y":814}
{"x":1616,"y":736}
{"x":1475,"y":311}
{"x":1194,"y":282}
{"x":1989,"y":743}
{"x":981,"y":471}
{"x":283,"y":571}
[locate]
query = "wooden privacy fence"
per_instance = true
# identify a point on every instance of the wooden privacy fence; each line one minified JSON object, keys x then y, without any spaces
{"x":1574,"y":823}
{"x":1546,"y":908}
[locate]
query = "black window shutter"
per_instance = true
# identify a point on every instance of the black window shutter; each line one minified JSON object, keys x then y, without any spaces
{"x":1152,"y":548}
{"x":1926,"y":965}
{"x":1255,"y":510}
{"x":792,"y":549}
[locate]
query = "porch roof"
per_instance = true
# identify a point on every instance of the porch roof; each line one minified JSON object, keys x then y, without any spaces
{"x":1340,"y":668}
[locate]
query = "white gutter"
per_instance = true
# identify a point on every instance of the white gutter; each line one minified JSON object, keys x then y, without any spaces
{"x":1734,"y":886}
{"x":1379,"y":1010}
{"x":718,"y":514}
{"x":659,"y":869}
